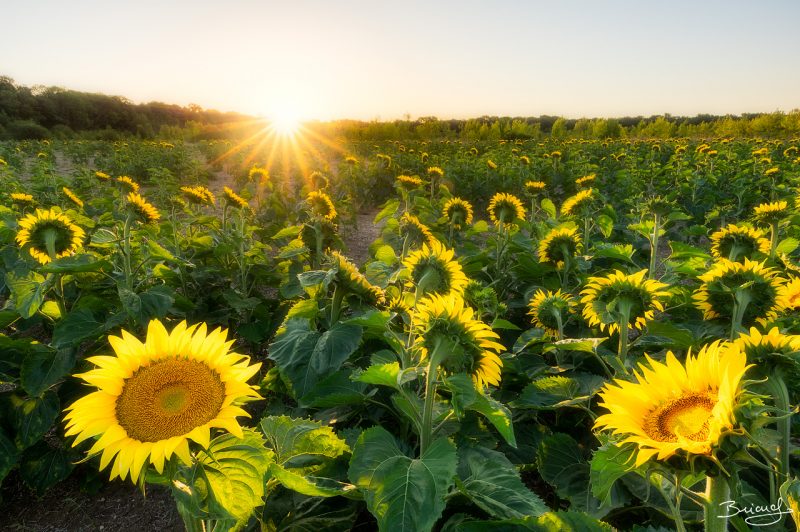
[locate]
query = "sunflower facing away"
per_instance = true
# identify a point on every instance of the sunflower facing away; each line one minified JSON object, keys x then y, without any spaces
{"x":458,"y":212}
{"x":155,"y":396}
{"x":547,"y":308}
{"x":145,"y":212}
{"x":770,"y":213}
{"x":473,"y":347}
{"x":49,"y":235}
{"x":737,"y":242}
{"x":573,"y":205}
{"x":606,"y":297}
{"x":585,"y":180}
{"x":505,"y":209}
{"x":559,"y":246}
{"x":433,"y":269}
{"x":414,"y":232}
{"x":21,"y":199}
{"x":199,"y":195}
{"x":534,"y":187}
{"x":72,"y":197}
{"x":233,"y":199}
{"x":408,"y":182}
{"x":353,"y":281}
{"x":128,"y":183}
{"x":773,"y":345}
{"x":321,"y":206}
{"x":760,"y":285}
{"x":102,"y":176}
{"x":675,"y":408}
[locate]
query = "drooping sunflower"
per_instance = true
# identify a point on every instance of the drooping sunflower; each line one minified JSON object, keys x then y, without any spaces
{"x":585,"y":180}
{"x":573,"y":205}
{"x":408,"y":182}
{"x":21,"y":199}
{"x":433,"y":269}
{"x":458,"y":212}
{"x":550,"y":310}
{"x":145,"y":212}
{"x":606,"y":299}
{"x":491,"y":164}
{"x":127,"y":183}
{"x":559,"y":246}
{"x":676,"y":408}
{"x":155,"y":396}
{"x":199,"y":195}
{"x":534,"y":187}
{"x":353,"y":281}
{"x":49,"y":235}
{"x":770,"y":213}
{"x":72,"y":197}
{"x":233,"y":199}
{"x":414,"y":232}
{"x":754,"y":281}
{"x":505,"y":209}
{"x":320,"y":205}
{"x":735,"y":242}
{"x":102,"y":176}
{"x":471,"y":345}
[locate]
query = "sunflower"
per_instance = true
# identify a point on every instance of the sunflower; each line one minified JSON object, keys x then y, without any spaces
{"x":587,"y":179}
{"x":199,"y":195}
{"x":435,"y":171}
{"x":408,"y":182}
{"x":155,"y":396}
{"x":458,"y":212}
{"x":318,"y":181}
{"x":320,"y":205}
{"x":49,"y":235}
{"x":534,"y":187}
{"x":415,"y":232}
{"x":72,"y":197}
{"x":505,"y":209}
{"x":728,"y":283}
{"x":433,"y":269}
{"x":789,"y":295}
{"x":21,"y":199}
{"x":144,"y":211}
{"x":771,"y":171}
{"x":471,"y":345}
{"x":102,"y":176}
{"x":128,"y":183}
{"x":607,"y":299}
{"x":233,"y":199}
{"x":773,"y":346}
{"x":351,"y":160}
{"x":770,"y":213}
{"x":737,"y":242}
{"x":579,"y":202}
{"x":258,"y":173}
{"x":353,"y":281}
{"x":491,"y":164}
{"x":549,"y":310}
{"x":559,"y":246}
{"x":524,"y":159}
{"x":674,"y":408}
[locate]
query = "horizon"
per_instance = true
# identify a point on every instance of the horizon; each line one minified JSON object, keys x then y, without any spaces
{"x":452,"y":60}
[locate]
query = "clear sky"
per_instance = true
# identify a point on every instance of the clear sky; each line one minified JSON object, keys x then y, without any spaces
{"x":384,"y":59}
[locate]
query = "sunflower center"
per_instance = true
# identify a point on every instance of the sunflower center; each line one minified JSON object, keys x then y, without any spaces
{"x":169,"y":398}
{"x":686,"y":416}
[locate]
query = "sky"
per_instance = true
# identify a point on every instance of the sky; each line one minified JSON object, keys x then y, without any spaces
{"x":314,"y":59}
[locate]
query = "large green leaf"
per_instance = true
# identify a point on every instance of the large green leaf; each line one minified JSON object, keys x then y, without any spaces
{"x":381,"y":374}
{"x":77,"y":264}
{"x":306,"y":357}
{"x":562,"y":521}
{"x":301,"y":442}
{"x":561,"y":464}
{"x":8,"y":455}
{"x":227,"y":481}
{"x":335,"y":390}
{"x":33,"y":417}
{"x":609,"y":463}
{"x":403,"y":493}
{"x":558,"y":391}
{"x":466,"y":397}
{"x":77,"y":326}
{"x":309,"y":485}
{"x":43,"y":466}
{"x":493,"y":484}
{"x":42,"y":369}
{"x":28,"y":291}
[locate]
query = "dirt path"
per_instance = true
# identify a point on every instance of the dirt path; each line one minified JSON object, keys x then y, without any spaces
{"x":357,"y":239}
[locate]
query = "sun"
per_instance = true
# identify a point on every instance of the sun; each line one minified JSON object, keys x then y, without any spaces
{"x":285,"y":122}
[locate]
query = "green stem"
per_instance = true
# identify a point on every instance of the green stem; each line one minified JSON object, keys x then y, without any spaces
{"x":559,"y":322}
{"x":780,"y":395}
{"x":426,"y":435}
{"x":741,"y":298}
{"x":242,"y":259}
{"x":622,"y":350}
{"x":586,"y":225}
{"x":654,"y":246}
{"x":336,"y":304}
{"x":717,"y":492}
{"x":773,"y":239}
{"x":674,"y":507}
{"x":126,"y":251}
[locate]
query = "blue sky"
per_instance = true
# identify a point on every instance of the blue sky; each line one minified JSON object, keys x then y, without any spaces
{"x":374,"y":59}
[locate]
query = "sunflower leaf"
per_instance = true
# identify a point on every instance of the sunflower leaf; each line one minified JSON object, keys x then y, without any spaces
{"x":301,"y":443}
{"x":28,"y":291}
{"x":402,"y":493}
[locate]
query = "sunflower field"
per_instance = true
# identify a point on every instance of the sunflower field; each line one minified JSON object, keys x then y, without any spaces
{"x":544,"y":335}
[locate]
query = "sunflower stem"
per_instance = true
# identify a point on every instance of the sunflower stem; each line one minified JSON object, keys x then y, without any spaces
{"x":622,"y":350}
{"x":654,"y":245}
{"x":50,"y":235}
{"x":674,"y":506}
{"x":780,"y":395}
{"x":741,"y":298}
{"x":336,"y":304}
{"x":773,"y":239}
{"x":717,"y":492}
{"x":126,"y":251}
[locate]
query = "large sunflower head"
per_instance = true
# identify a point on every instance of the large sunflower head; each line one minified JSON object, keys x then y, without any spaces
{"x":770,"y":213}
{"x":72,"y":197}
{"x":320,"y":205}
{"x":458,"y":212}
{"x":752,"y":281}
{"x":233,"y":199}
{"x":446,"y":327}
{"x":578,"y":204}
{"x":145,"y":212}
{"x":609,"y":298}
{"x":736,"y":242}
{"x":549,"y":309}
{"x":414,"y":232}
{"x":560,"y":245}
{"x":49,"y":235}
{"x":675,"y":408}
{"x":353,"y":281}
{"x":505,"y":209}
{"x":434,"y":270}
{"x":154,"y":397}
